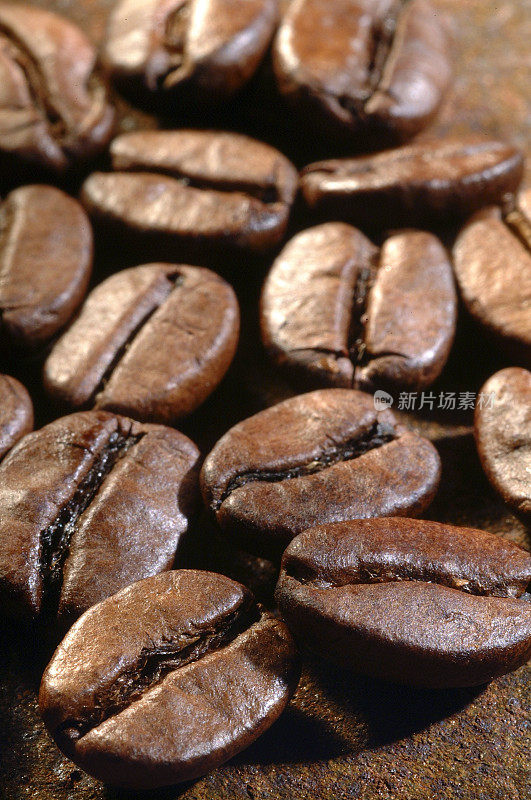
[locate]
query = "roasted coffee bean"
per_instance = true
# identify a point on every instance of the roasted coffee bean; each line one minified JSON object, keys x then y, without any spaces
{"x":53,"y":110}
{"x":319,"y":457}
{"x":422,"y":603}
{"x":151,"y":342}
{"x":45,"y":264}
{"x":503,"y":436}
{"x":16,"y":413}
{"x":492,"y":258}
{"x":362,"y":67}
{"x":202,"y":50}
{"x":337,"y":311}
{"x":430,"y":182}
{"x":167,"y":679}
{"x":195,"y":187}
{"x":89,"y":504}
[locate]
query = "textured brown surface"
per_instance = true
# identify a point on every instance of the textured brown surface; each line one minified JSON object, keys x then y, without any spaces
{"x":342,"y":736}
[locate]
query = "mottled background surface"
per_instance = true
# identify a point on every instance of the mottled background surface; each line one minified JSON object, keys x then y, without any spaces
{"x":343,"y":736}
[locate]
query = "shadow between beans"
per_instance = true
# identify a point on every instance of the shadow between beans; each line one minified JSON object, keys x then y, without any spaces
{"x":390,"y":711}
{"x":298,"y":738}
{"x":465,"y":497}
{"x":335,"y":712}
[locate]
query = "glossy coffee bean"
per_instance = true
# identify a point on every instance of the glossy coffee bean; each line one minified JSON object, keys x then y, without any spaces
{"x":45,"y":264}
{"x":54,"y":112}
{"x":492,"y":258}
{"x":202,"y":50}
{"x":319,"y":457}
{"x":151,"y":342}
{"x":16,"y":413}
{"x":89,"y":504}
{"x":428,"y":182}
{"x":502,"y":428}
{"x":167,"y":679}
{"x":417,"y":602}
{"x":337,"y":311}
{"x":195,"y":188}
{"x":361,"y":67}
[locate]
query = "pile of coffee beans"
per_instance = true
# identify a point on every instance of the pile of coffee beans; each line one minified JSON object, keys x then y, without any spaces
{"x":168,"y":669}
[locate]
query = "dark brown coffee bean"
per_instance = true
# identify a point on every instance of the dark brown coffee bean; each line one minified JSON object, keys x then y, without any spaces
{"x":167,"y":680}
{"x":422,"y":603}
{"x":433,"y":181}
{"x":16,"y":413}
{"x":53,"y":111}
{"x":45,"y":263}
{"x":319,"y":457}
{"x":151,"y":342}
{"x":195,"y":187}
{"x":503,"y":436}
{"x":202,"y":50}
{"x":89,"y":504}
{"x":358,"y":66}
{"x":492,"y":258}
{"x":337,"y":311}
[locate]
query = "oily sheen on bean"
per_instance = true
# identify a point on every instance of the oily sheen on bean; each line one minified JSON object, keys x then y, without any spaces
{"x":151,"y":342}
{"x":319,"y":457}
{"x":45,"y":264}
{"x":89,"y":504}
{"x":439,"y":180}
{"x":362,"y":68}
{"x":202,"y":50}
{"x":187,"y":188}
{"x":16,"y":413}
{"x":338,"y":311}
{"x":53,"y":108}
{"x":502,"y":427}
{"x":422,"y":603}
{"x":167,"y":680}
{"x":492,"y":260}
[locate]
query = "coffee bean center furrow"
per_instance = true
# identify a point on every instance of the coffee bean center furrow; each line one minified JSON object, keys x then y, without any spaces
{"x":174,"y":281}
{"x":35,"y":83}
{"x":520,"y":226}
{"x":264,"y":194}
{"x":383,"y":35}
{"x":377,"y":574}
{"x":56,"y":538}
{"x":155,"y":663}
{"x":360,"y":298}
{"x":377,"y":436}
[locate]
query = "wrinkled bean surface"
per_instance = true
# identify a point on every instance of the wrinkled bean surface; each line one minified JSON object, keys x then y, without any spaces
{"x":151,"y":342}
{"x":195,"y":188}
{"x":53,"y":109}
{"x":492,"y":259}
{"x":420,"y":183}
{"x":418,"y":602}
{"x":45,"y":263}
{"x":89,"y":504}
{"x":337,"y":311}
{"x":319,"y":457}
{"x":503,"y":436}
{"x":167,"y":679}
{"x":361,"y":66}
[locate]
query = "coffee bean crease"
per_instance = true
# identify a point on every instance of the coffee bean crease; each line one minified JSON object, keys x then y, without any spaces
{"x":55,"y":539}
{"x":378,"y":435}
{"x":157,"y":661}
{"x":174,"y":281}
